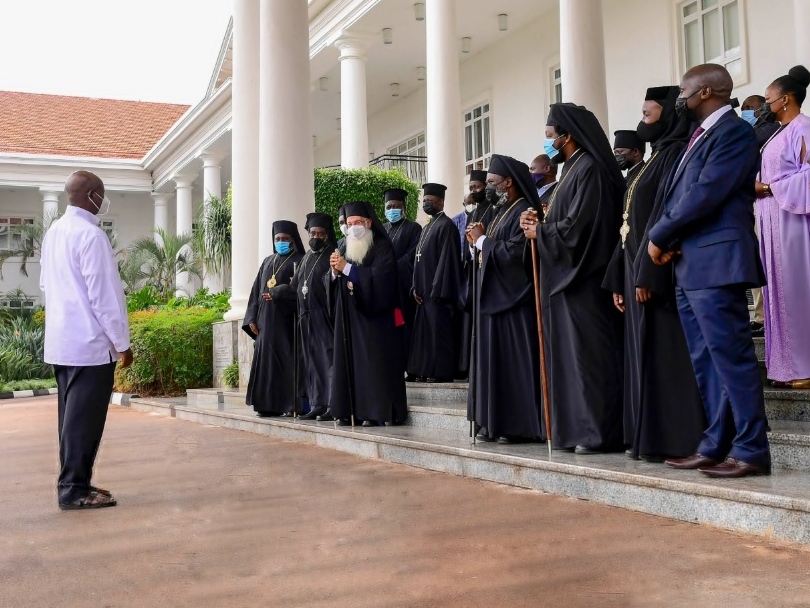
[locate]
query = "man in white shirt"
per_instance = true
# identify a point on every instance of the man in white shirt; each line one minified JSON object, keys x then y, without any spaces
{"x":86,"y":332}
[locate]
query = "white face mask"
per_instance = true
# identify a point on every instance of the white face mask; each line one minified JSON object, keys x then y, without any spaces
{"x":470,"y":208}
{"x":104,"y":208}
{"x":357,"y":232}
{"x":344,"y":229}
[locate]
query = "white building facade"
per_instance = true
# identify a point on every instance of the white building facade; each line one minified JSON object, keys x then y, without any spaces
{"x":435,"y":86}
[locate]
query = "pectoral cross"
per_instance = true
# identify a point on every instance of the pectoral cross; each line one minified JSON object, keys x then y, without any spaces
{"x":624,"y":231}
{"x":305,"y":289}
{"x":418,"y":256}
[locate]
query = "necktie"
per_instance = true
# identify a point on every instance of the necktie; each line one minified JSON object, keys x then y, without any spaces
{"x":698,"y":132}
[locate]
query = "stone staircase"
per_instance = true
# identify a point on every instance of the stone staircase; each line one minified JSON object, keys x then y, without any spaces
{"x":437,"y":438}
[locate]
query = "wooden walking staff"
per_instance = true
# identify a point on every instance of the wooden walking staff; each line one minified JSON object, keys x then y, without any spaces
{"x":541,"y":341}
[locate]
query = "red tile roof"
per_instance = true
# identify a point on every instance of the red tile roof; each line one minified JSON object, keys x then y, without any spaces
{"x":32,"y":123}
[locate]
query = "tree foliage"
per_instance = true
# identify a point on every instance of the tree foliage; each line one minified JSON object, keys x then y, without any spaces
{"x":156,"y":263}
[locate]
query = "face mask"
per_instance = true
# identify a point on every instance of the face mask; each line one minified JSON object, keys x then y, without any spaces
{"x":498,"y":196}
{"x":283,"y":248}
{"x":102,"y":209}
{"x":548,"y":146}
{"x":316,"y":244}
{"x":682,"y":109}
{"x":344,"y":229}
{"x":479,"y":197}
{"x":765,"y":111}
{"x":650,"y":133}
{"x":470,"y":208}
{"x":750,"y":116}
{"x":538,"y":179}
{"x":393,"y":215}
{"x":621,"y":160}
{"x":429,"y":207}
{"x":357,"y":232}
{"x":490,"y":195}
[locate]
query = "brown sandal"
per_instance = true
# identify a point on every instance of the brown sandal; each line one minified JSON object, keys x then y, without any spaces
{"x":94,"y":500}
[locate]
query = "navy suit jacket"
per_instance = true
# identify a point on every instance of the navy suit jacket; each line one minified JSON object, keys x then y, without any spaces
{"x":708,"y":211}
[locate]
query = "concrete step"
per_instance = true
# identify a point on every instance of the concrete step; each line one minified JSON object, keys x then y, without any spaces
{"x":777,"y":506}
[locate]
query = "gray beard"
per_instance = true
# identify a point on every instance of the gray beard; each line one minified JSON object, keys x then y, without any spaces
{"x":357,"y":249}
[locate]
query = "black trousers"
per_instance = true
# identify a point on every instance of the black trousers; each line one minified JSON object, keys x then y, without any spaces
{"x":84,"y":396}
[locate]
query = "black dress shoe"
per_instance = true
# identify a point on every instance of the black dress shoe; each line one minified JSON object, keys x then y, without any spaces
{"x":325,"y":417}
{"x":586,"y":451}
{"x":695,"y":461}
{"x":286,"y":414}
{"x":344,"y":422}
{"x":410,"y":378}
{"x":482,"y":436}
{"x":370,"y":423}
{"x":631,"y":454}
{"x":266,"y":414}
{"x":732,"y":468}
{"x":311,"y":415}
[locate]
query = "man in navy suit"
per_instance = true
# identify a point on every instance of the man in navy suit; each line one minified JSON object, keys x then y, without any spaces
{"x":707,"y":227}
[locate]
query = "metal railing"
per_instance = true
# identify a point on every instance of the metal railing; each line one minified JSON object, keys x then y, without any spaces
{"x":414,"y":167}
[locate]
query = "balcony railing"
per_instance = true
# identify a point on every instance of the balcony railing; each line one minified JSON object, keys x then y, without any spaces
{"x":414,"y":167}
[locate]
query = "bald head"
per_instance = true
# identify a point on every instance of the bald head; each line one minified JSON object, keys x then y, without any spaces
{"x":80,"y":186}
{"x":710,"y":75}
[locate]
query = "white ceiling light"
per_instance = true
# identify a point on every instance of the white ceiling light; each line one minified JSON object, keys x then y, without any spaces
{"x":388,"y":35}
{"x":394,"y":89}
{"x":421,"y":73}
{"x":323,"y":83}
{"x":466,"y":44}
{"x":419,"y":11}
{"x":503,"y":22}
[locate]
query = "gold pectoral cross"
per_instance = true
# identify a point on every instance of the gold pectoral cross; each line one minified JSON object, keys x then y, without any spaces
{"x":624,"y":231}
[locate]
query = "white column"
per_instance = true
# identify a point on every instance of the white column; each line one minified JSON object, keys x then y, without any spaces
{"x":285,"y":121}
{"x":801,"y":26}
{"x":50,"y":206}
{"x":184,"y":226}
{"x":212,"y":186}
{"x":245,"y":153}
{"x":353,"y":108}
{"x":161,"y":213}
{"x":444,"y":138}
{"x":582,"y":56}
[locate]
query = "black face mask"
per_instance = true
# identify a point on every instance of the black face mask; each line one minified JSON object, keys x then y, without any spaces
{"x":682,"y":109}
{"x":622,"y":161}
{"x":479,"y":197}
{"x":491,"y":194}
{"x":317,"y":244}
{"x":650,"y":133}
{"x":429,"y":207}
{"x":765,"y":111}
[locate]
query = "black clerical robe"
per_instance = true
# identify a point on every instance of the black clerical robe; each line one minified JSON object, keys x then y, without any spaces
{"x":506,"y":396}
{"x":437,"y":279}
{"x":316,"y":337}
{"x":271,"y":388}
{"x":663,"y":411}
{"x":582,"y":327}
{"x":368,"y":371}
{"x":404,"y":237}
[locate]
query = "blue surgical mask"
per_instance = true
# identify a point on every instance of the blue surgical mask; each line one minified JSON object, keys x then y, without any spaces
{"x":750,"y":117}
{"x":393,"y":215}
{"x":548,"y":147}
{"x":283,"y":248}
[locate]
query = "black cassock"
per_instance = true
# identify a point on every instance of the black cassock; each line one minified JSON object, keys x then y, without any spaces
{"x":271,"y":387}
{"x":370,"y":363}
{"x":663,"y":411}
{"x":316,"y":332}
{"x":404,"y":237}
{"x":437,"y":280}
{"x":483,"y":213}
{"x":583,"y":330}
{"x":505,"y":371}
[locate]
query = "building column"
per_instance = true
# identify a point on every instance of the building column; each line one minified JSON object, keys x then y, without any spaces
{"x":244,"y":154}
{"x":212,"y":186}
{"x":582,"y":56}
{"x":353,"y":108}
{"x":801,"y":21}
{"x":50,"y":206}
{"x":444,"y":129}
{"x":161,"y":213}
{"x":285,"y":121}
{"x":184,"y":283}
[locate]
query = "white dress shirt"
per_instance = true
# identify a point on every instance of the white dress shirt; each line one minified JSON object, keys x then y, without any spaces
{"x":85,"y":310}
{"x":707,"y":124}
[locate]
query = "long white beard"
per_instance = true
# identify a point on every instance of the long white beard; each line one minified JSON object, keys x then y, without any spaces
{"x":357,"y":249}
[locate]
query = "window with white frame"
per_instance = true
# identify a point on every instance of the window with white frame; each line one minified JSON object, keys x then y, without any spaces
{"x":556,"y":85}
{"x":477,"y":139}
{"x":413,"y":146}
{"x":12,"y":232}
{"x":711,"y":33}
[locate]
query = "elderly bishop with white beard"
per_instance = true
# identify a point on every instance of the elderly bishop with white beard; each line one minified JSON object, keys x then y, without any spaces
{"x":368,"y":379}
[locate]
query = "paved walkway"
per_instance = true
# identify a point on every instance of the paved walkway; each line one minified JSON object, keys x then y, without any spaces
{"x":212,"y":517}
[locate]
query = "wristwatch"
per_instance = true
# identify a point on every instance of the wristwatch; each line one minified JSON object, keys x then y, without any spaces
{"x":766,"y":188}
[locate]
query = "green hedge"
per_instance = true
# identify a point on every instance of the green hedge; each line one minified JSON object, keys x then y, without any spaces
{"x":27,"y":385}
{"x":173,"y":351}
{"x":333,"y":187}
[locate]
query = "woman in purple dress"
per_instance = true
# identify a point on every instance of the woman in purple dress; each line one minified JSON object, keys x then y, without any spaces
{"x":783,"y":218}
